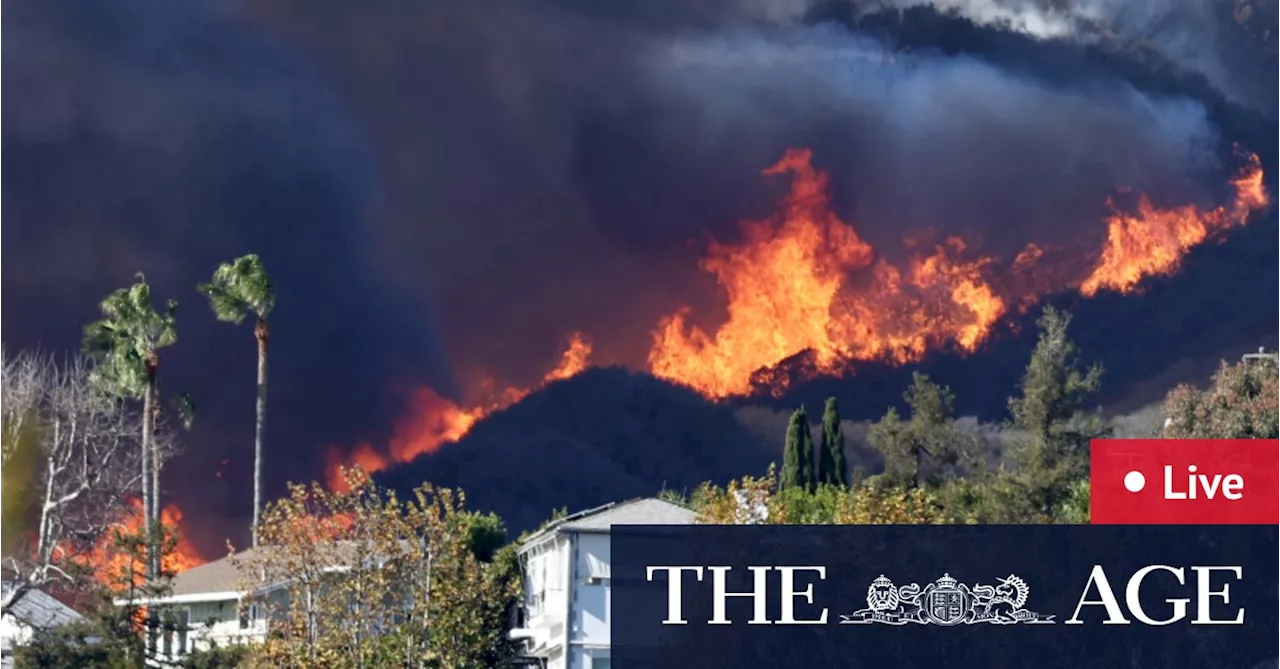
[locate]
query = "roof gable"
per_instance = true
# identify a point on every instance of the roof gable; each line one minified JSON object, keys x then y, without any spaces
{"x":644,"y":511}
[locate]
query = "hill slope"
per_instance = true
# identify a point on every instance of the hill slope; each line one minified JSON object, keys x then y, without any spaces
{"x":601,"y":436}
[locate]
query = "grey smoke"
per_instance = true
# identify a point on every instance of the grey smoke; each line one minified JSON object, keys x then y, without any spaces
{"x":1200,"y":36}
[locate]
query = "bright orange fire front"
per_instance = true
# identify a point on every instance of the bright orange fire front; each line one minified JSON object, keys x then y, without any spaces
{"x":790,"y":287}
{"x":109,"y":563}
{"x":436,"y":420}
{"x":1153,"y":241}
{"x":804,"y":281}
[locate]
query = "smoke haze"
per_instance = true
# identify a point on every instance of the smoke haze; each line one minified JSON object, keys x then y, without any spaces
{"x":444,"y":191}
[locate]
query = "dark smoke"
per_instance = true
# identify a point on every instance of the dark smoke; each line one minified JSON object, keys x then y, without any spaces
{"x":525,"y":168}
{"x":158,"y":137}
{"x":548,"y":162}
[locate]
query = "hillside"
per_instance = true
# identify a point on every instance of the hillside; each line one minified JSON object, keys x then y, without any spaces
{"x":601,"y":436}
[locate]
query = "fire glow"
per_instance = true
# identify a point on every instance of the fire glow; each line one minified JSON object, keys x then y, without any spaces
{"x":803,"y":281}
{"x":109,"y":564}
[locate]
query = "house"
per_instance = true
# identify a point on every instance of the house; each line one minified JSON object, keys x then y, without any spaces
{"x":204,"y":608}
{"x":566,"y":574}
{"x":32,"y":610}
{"x":204,"y":603}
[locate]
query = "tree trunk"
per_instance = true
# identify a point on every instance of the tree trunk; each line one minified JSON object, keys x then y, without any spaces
{"x":262,"y":333}
{"x":150,"y":489}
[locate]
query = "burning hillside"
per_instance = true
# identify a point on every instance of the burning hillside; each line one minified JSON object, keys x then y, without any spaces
{"x":803,"y":281}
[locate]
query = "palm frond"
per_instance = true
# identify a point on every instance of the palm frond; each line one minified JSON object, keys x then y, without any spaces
{"x":238,"y":288}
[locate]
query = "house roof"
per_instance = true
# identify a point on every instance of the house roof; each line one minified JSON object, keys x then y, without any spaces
{"x":40,"y":610}
{"x":644,"y":511}
{"x":223,"y":579}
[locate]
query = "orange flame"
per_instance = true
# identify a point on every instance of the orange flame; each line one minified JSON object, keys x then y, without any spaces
{"x":802,"y":281}
{"x":108,"y":563}
{"x":1153,"y":241}
{"x":789,"y":291}
{"x":436,"y":420}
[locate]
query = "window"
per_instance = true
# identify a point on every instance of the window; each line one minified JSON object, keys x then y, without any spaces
{"x":598,"y":571}
{"x":599,"y":662}
{"x":247,"y":615}
{"x":183,"y":621}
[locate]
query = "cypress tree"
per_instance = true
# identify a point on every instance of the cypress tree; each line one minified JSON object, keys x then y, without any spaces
{"x":797,"y":459}
{"x":831,"y":463}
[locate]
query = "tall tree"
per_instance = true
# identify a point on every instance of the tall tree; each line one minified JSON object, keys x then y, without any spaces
{"x":239,"y":288}
{"x":797,"y":458}
{"x":831,"y":461}
{"x":918,"y":451}
{"x":1051,"y":414}
{"x":126,"y":342}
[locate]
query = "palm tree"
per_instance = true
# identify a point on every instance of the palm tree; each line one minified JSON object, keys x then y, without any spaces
{"x":239,"y":288}
{"x":126,"y":341}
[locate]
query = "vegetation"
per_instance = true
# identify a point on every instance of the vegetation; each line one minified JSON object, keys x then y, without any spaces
{"x":832,"y":466}
{"x":239,"y":288}
{"x":422,"y":581}
{"x":1242,"y":402}
{"x":934,"y":472}
{"x":797,"y":460}
{"x":126,"y":342}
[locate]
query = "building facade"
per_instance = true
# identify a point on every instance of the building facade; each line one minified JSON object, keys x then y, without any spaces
{"x":564,"y":621}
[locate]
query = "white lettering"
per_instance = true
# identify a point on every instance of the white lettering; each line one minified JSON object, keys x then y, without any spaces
{"x":1231,"y":486}
{"x":1107,"y":598}
{"x":789,"y":596}
{"x":758,"y":594}
{"x":1133,"y":596}
{"x":1169,"y":492}
{"x":1203,"y":595}
{"x":674,"y":578}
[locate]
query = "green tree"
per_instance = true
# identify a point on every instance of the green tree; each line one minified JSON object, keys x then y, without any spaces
{"x":370,"y":580}
{"x":239,"y":288}
{"x":797,"y":459}
{"x":126,"y":342}
{"x":1242,"y":402}
{"x":1053,"y":424}
{"x":920,"y":450}
{"x":111,"y":636}
{"x":831,"y":464}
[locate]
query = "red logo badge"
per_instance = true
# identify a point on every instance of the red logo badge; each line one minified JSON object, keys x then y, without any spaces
{"x":1184,"y":482}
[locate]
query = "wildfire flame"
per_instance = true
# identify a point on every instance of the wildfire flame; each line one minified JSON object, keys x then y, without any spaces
{"x":789,"y":288}
{"x":108,"y":563}
{"x":436,"y":420}
{"x":803,"y":281}
{"x":1153,"y":241}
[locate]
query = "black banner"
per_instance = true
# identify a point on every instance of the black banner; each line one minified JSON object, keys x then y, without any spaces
{"x":1048,"y":597}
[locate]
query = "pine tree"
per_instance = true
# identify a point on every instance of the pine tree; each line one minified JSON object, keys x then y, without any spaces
{"x":1051,"y":410}
{"x":832,"y":466}
{"x":920,"y":450}
{"x":797,"y":459}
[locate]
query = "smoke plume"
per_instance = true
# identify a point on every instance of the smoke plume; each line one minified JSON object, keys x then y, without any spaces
{"x":445,"y":191}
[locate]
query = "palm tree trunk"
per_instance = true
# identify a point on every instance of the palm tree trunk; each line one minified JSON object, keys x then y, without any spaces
{"x":149,"y":489}
{"x":261,"y":332}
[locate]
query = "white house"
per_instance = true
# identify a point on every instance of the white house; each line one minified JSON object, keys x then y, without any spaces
{"x":204,"y":603}
{"x":203,"y":607}
{"x":566,"y":577}
{"x":32,"y":610}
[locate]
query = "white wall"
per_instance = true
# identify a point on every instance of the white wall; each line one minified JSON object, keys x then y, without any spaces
{"x":590,"y":621}
{"x":13,"y":633}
